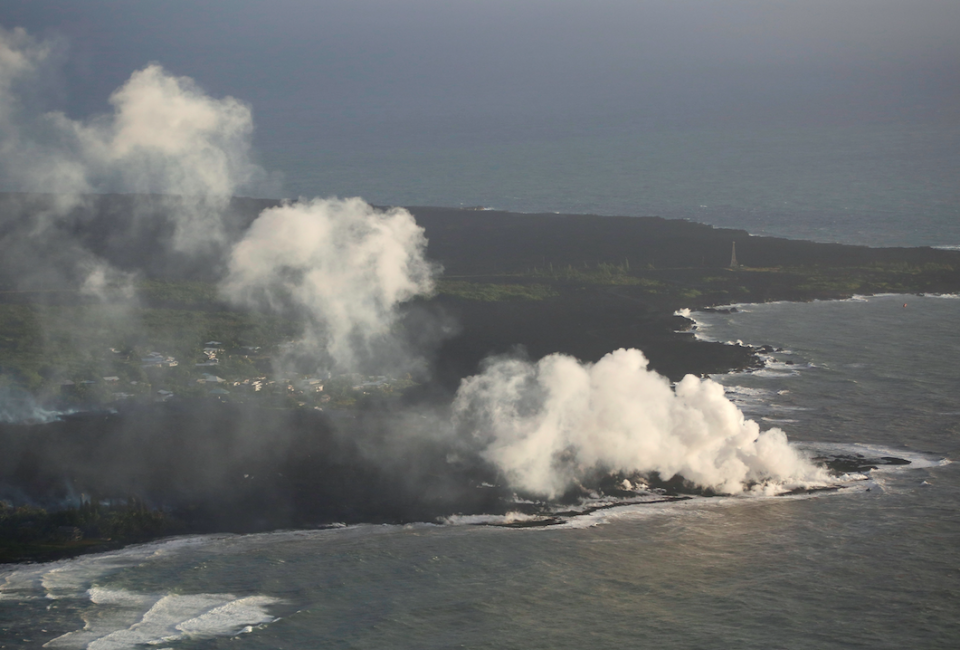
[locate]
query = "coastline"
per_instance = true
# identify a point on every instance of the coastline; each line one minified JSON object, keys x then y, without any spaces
{"x":610,"y":282}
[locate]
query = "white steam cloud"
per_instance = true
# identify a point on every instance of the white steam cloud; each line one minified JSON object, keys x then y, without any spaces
{"x":164,"y":136}
{"x":546,"y":424}
{"x":167,"y":137}
{"x":343,"y":264}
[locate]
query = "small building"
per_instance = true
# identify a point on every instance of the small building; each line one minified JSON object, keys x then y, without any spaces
{"x":157,"y":360}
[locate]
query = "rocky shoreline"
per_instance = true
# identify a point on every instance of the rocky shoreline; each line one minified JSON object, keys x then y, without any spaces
{"x":524,"y":285}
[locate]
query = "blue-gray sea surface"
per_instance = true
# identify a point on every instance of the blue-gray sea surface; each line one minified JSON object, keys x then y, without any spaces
{"x":873,"y":184}
{"x":876,"y":565}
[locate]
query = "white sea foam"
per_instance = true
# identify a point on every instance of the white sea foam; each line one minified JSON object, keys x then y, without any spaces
{"x":491,"y":520}
{"x":234,"y":617}
{"x":119,"y":618}
{"x":120,"y":609}
{"x":673,"y":508}
{"x":20,"y":584}
{"x":918,"y":459}
{"x":849,"y":483}
{"x":126,"y":619}
{"x":775,"y":372}
{"x":738,"y":393}
{"x":74,"y":577}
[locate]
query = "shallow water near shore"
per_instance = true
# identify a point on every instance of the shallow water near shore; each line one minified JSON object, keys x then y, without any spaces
{"x":876,"y":565}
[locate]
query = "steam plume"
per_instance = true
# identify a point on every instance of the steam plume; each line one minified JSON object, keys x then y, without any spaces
{"x":343,"y":264}
{"x":164,"y":136}
{"x":546,"y":424}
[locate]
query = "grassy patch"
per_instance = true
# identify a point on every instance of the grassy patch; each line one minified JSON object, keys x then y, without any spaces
{"x":601,"y":273}
{"x":492,"y":292}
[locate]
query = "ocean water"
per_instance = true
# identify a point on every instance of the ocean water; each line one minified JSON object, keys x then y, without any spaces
{"x":874,"y":565}
{"x":872,"y":184}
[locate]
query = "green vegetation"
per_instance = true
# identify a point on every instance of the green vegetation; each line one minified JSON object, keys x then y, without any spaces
{"x":602,"y":273}
{"x":490,"y":292}
{"x":178,"y":294}
{"x":27,"y":532}
{"x":701,"y":287}
{"x":72,"y":349}
{"x":873,"y":278}
{"x":81,"y":354}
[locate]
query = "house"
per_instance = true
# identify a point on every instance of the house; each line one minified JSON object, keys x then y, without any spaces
{"x":157,"y":360}
{"x":311,"y":384}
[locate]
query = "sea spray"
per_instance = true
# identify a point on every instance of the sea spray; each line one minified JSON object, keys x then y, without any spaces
{"x":546,"y":424}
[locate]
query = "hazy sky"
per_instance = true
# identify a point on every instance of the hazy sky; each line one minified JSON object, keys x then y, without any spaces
{"x":808,"y":60}
{"x":546,"y":104}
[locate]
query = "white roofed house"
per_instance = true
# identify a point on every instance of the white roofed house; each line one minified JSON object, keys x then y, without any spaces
{"x":210,"y":352}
